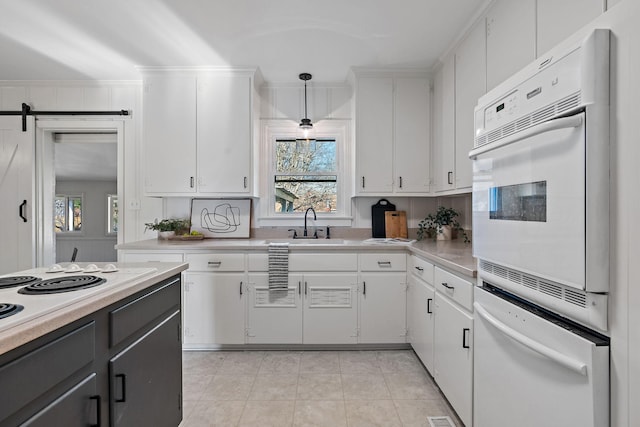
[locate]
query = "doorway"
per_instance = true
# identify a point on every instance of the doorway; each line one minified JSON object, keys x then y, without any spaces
{"x":79,"y":189}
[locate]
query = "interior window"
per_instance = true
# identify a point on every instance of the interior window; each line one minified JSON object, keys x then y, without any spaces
{"x":306,"y":175}
{"x":67,"y":213}
{"x":112,"y":213}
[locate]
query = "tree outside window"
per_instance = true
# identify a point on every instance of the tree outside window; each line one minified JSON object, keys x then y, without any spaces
{"x":67,"y":214}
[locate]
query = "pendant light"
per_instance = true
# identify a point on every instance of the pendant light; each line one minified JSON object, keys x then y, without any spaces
{"x":305,"y":124}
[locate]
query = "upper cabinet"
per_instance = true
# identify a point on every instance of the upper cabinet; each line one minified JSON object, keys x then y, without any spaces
{"x":197,"y":132}
{"x":511,"y":38}
{"x":444,"y":126}
{"x":392,"y":133}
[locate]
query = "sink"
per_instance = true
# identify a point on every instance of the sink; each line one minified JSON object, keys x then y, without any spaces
{"x":307,"y":241}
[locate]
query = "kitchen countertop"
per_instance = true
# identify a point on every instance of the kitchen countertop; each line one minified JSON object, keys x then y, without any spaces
{"x":452,"y":254}
{"x":37,"y":327}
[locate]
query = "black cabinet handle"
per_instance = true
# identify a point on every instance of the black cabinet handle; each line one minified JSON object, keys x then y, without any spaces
{"x":98,"y":400}
{"x":400,"y":182}
{"x":447,"y":285}
{"x":305,"y":288}
{"x":363,"y":182}
{"x":429,"y":305}
{"x":364,"y":288}
{"x":419,"y":268}
{"x":464,"y":337}
{"x":191,"y":183}
{"x":299,"y":287}
{"x":124,"y":388}
{"x":450,"y":177}
{"x":21,"y":210}
{"x":245,"y":182}
{"x":240,"y":288}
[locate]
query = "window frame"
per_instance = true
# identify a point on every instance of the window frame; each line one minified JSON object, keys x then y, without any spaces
{"x":274,"y":130}
{"x":110,"y":231}
{"x":67,"y":197}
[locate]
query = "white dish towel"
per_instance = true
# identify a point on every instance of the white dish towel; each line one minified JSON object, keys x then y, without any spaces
{"x":278,"y":266}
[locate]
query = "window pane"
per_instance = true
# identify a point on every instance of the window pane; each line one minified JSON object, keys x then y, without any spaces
{"x":75,"y":205}
{"x":60,"y":214}
{"x":300,"y":156}
{"x":112,"y":214}
{"x":298,"y":196}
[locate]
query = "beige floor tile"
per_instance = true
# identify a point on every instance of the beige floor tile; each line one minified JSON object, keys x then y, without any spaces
{"x":364,"y":387}
{"x":201,"y":362}
{"x":280,"y":362}
{"x":319,"y":413}
{"x":359,"y":362}
{"x":414,"y":413}
{"x":369,"y":413}
{"x":193,"y":385}
{"x":319,"y":387}
{"x":274,"y":387}
{"x":398,"y":361}
{"x":320,"y":362}
{"x":268,"y":414}
{"x":228,"y":387}
{"x":187,"y":408}
{"x":412,"y":386}
{"x":210,"y":413}
{"x":241,"y":362}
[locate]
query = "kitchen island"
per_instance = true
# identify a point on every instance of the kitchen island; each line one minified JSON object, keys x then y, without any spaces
{"x":109,"y":357}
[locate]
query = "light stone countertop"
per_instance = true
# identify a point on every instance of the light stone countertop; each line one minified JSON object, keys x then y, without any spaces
{"x":454,"y":255}
{"x":29,"y":330}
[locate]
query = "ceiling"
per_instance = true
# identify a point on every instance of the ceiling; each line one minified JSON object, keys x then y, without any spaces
{"x":80,"y":39}
{"x":86,"y":157}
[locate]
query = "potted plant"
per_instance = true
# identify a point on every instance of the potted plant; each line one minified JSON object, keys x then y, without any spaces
{"x":442,"y":225}
{"x":169,"y":227}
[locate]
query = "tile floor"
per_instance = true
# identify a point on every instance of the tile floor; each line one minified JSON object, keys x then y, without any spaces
{"x":309,"y":388}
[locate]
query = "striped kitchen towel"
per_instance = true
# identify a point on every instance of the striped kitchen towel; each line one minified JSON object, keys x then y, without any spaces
{"x":278,"y":266}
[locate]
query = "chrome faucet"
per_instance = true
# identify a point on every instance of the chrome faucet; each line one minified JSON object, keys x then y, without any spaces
{"x":304,"y":232}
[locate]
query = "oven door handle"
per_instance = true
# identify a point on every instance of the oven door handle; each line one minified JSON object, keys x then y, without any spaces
{"x":561,"y":123}
{"x":562,"y":359}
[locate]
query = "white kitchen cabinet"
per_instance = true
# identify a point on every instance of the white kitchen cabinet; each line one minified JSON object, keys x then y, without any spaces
{"x":382,"y":306}
{"x":470,"y":84}
{"x":330,"y":308}
{"x":557,"y":20}
{"x":421,"y":310}
{"x":224,"y":133}
{"x":169,"y":133}
{"x":214,"y":309}
{"x":453,"y":349}
{"x":274,"y":317}
{"x":444,"y":126}
{"x":197,"y":131}
{"x":392,"y":133}
{"x":511,"y":38}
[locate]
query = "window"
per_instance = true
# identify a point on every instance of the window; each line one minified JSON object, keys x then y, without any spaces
{"x":67,"y":213}
{"x":112,"y":213}
{"x":306,"y":175}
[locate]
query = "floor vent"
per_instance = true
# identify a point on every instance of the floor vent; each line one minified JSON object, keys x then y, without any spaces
{"x":440,"y":422}
{"x":545,"y":113}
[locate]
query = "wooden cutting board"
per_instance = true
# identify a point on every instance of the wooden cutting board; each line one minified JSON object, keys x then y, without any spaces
{"x":395,"y":223}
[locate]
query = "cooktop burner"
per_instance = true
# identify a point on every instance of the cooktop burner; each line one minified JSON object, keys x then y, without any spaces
{"x":62,"y":284}
{"x":7,"y":310}
{"x":10,"y":282}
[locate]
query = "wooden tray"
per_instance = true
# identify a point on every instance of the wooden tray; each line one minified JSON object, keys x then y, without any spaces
{"x":190,"y":237}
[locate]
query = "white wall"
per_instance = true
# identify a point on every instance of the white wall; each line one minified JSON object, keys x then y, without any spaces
{"x":92,"y":242}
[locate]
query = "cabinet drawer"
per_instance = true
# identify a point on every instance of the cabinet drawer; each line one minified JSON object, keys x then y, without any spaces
{"x":258,"y":262}
{"x":132,"y":317}
{"x":215,"y":262}
{"x":152,"y":256}
{"x":33,"y":374}
{"x":456,"y":288}
{"x":383,"y":262}
{"x":323,"y":262}
{"x":421,"y":268}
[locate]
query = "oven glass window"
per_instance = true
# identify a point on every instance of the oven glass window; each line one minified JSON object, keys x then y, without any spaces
{"x":520,"y":202}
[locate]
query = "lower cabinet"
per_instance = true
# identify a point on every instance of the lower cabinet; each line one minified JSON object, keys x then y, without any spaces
{"x":382,"y":303}
{"x":143,"y":391}
{"x":421,"y":319}
{"x":214,"y":309}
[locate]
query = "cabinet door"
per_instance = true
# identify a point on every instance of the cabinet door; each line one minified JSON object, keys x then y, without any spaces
{"x":470,"y":85}
{"x":444,"y":120}
{"x":224,"y":133}
{"x":330,"y":313}
{"x":214,"y":311}
{"x":557,"y":20}
{"x":421,"y":319}
{"x":146,"y":390}
{"x":382,"y":306}
{"x":274,"y":317}
{"x":411,"y":135}
{"x":374,"y":135}
{"x":511,"y":38}
{"x":453,"y":355}
{"x":169,"y":132}
{"x":76,"y":407}
{"x":16,"y":190}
